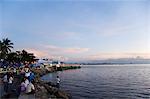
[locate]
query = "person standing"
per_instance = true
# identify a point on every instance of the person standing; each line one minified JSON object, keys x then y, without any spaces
{"x":32,"y":76}
{"x":57,"y":82}
{"x":10,"y":82}
{"x":5,"y":81}
{"x":27,"y":71}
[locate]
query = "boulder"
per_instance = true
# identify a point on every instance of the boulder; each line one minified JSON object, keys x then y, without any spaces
{"x":41,"y":92}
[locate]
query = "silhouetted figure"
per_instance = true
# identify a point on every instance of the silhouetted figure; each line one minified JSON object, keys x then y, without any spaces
{"x":5,"y":81}
{"x":57,"y":82}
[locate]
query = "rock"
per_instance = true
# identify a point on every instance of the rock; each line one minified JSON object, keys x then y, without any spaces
{"x":44,"y":90}
{"x":41,"y":92}
{"x":47,"y":90}
{"x":57,"y":92}
{"x":51,"y":84}
{"x":62,"y":94}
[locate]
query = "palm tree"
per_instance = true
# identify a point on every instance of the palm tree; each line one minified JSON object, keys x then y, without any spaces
{"x":25,"y":56}
{"x":19,"y":56}
{"x":5,"y":47}
{"x":12,"y":57}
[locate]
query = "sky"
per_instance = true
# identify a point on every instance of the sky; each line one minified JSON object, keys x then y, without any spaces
{"x":78,"y":30}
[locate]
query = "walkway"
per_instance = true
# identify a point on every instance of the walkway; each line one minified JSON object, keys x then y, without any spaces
{"x":25,"y":96}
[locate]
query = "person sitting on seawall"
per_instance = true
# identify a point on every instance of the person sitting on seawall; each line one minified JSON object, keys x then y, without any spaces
{"x":26,"y":80}
{"x":23,"y":86}
{"x":21,"y":89}
{"x":30,"y":88}
{"x":58,"y":82}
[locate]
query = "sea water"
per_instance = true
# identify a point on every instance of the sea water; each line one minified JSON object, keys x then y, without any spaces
{"x":105,"y":81}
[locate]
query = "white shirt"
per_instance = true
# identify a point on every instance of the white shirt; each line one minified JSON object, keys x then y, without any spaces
{"x":26,"y":83}
{"x":27,"y":74}
{"x":14,"y":70}
{"x":58,"y":80}
{"x":30,"y":87}
{"x":23,"y":84}
{"x":10,"y":80}
{"x":5,"y":78}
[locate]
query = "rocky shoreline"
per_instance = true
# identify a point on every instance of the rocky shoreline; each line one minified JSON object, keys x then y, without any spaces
{"x":45,"y":90}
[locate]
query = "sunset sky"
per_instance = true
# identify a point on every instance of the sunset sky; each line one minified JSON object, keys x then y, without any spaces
{"x":78,"y":29}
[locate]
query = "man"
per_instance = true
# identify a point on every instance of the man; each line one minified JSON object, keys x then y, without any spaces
{"x":58,"y":82}
{"x":32,"y":76}
{"x":27,"y":71}
{"x":30,"y":88}
{"x":10,"y":82}
{"x":5,"y":81}
{"x":26,"y":81}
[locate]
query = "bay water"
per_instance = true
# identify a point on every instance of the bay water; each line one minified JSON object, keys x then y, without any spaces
{"x":130,"y":81}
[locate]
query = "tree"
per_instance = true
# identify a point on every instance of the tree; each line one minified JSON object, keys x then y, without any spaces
{"x":19,"y":56}
{"x":5,"y":47}
{"x":12,"y":57}
{"x":29,"y":57}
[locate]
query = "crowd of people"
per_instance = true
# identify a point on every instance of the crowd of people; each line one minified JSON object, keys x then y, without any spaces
{"x":8,"y":81}
{"x":27,"y":81}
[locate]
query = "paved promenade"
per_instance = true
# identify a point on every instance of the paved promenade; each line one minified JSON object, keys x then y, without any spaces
{"x":25,"y":96}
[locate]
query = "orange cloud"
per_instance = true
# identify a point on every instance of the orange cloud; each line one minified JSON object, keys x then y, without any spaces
{"x":37,"y":53}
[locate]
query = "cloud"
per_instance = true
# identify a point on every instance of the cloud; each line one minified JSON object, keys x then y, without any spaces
{"x":55,"y":52}
{"x":37,"y":53}
{"x":45,"y":54}
{"x":62,"y":50}
{"x":62,"y":54}
{"x":76,"y":50}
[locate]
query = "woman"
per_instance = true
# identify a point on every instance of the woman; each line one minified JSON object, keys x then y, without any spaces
{"x":22,"y":87}
{"x":10,"y":82}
